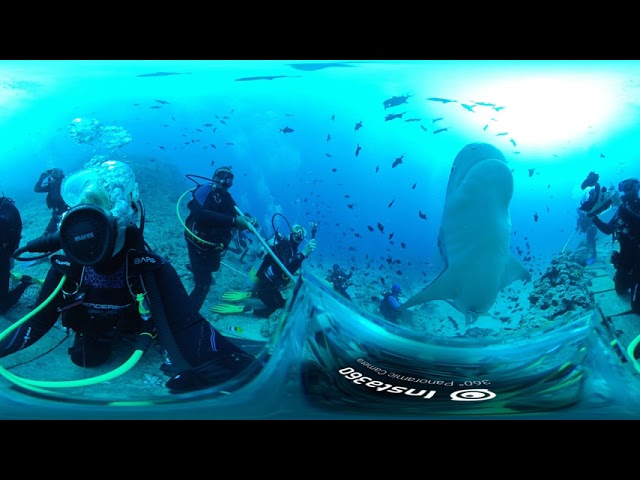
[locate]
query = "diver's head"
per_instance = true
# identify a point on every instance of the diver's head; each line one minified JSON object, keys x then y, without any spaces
{"x":298,"y":233}
{"x":629,"y":189}
{"x":396,"y":289}
{"x":336,"y":267}
{"x":223,"y":176}
{"x":103,"y":201}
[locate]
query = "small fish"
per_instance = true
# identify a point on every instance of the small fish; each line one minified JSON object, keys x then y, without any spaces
{"x":370,"y":228}
{"x":334,"y":170}
{"x":213,"y":145}
{"x":286,"y":130}
{"x":377,"y":168}
{"x":358,"y":125}
{"x":424,"y":128}
{"x":397,"y":161}
{"x":358,"y":148}
{"x":412,"y":120}
{"x":380,"y":227}
{"x":422,"y":215}
{"x":437,"y":119}
{"x":468,"y":107}
{"x":403,"y":245}
{"x":162,"y":101}
{"x":155,"y":106}
{"x":208,"y":125}
{"x":513,"y":142}
{"x":351,"y":205}
{"x":497,"y":109}
{"x":328,"y":137}
{"x":602,"y":155}
{"x":264,"y":77}
{"x":235,"y":329}
{"x":328,"y":155}
{"x":531,"y":170}
{"x":440,"y":130}
{"x":395,"y":101}
{"x":535,"y":217}
{"x":501,"y":134}
{"x":485,"y":127}
{"x":333,"y":118}
{"x":485,"y":104}
{"x":347,"y":196}
{"x":442,"y":100}
{"x":162,"y":147}
{"x":223,"y":122}
{"x":392,"y":116}
{"x":229,"y":144}
{"x":161,"y":74}
{"x":413,"y":187}
{"x":389,"y":206}
{"x":391,"y":235}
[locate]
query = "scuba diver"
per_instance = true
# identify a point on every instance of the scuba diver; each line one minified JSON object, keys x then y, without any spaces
{"x":270,"y":279}
{"x":390,"y":303}
{"x":209,"y":228}
{"x":108,"y":285}
{"x":10,"y":235}
{"x":340,"y":280}
{"x":625,"y":228}
{"x":49,"y":183}
{"x":593,"y":199}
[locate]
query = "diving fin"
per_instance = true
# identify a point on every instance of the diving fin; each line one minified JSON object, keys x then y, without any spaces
{"x":236,"y":296}
{"x":18,"y":276}
{"x":227,"y":308}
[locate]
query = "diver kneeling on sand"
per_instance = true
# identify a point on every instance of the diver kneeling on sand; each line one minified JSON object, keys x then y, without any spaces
{"x":112,"y":285}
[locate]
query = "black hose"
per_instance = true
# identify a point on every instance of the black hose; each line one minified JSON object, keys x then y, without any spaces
{"x":165,"y":336}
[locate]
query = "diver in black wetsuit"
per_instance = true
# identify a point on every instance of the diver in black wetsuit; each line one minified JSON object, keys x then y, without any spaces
{"x":49,"y":183}
{"x":271,"y":279}
{"x":625,"y":228}
{"x":10,"y":234}
{"x":340,"y":280}
{"x":116,"y":286}
{"x":212,"y":217}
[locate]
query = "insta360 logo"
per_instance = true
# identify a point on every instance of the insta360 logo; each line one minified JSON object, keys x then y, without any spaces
{"x":466,"y":395}
{"x":472,"y":395}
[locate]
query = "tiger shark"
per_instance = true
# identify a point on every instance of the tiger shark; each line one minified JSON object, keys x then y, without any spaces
{"x":475,"y":235}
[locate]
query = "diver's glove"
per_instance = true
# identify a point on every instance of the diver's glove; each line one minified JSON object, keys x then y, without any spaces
{"x":214,"y":372}
{"x":309,"y":247}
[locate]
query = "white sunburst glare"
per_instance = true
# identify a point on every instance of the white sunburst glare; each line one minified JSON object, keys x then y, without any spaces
{"x":545,"y":111}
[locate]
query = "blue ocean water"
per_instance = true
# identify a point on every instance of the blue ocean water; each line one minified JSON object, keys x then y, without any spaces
{"x":318,"y":141}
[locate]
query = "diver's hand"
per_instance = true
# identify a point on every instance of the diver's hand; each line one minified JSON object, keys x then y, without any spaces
{"x":615,"y":198}
{"x":309,"y":247}
{"x":242,"y":222}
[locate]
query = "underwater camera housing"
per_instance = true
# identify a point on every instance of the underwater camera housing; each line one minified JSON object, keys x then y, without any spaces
{"x":597,"y":199}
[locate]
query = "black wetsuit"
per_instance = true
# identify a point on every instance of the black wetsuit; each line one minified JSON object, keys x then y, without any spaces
{"x":104,"y":308}
{"x":625,"y":227}
{"x":54,"y":200}
{"x":340,"y":280}
{"x":211,"y":218}
{"x":271,"y":278}
{"x":10,"y":234}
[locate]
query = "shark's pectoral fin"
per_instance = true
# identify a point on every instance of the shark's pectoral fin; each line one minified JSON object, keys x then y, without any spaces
{"x":514,"y":270}
{"x":443,"y":287}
